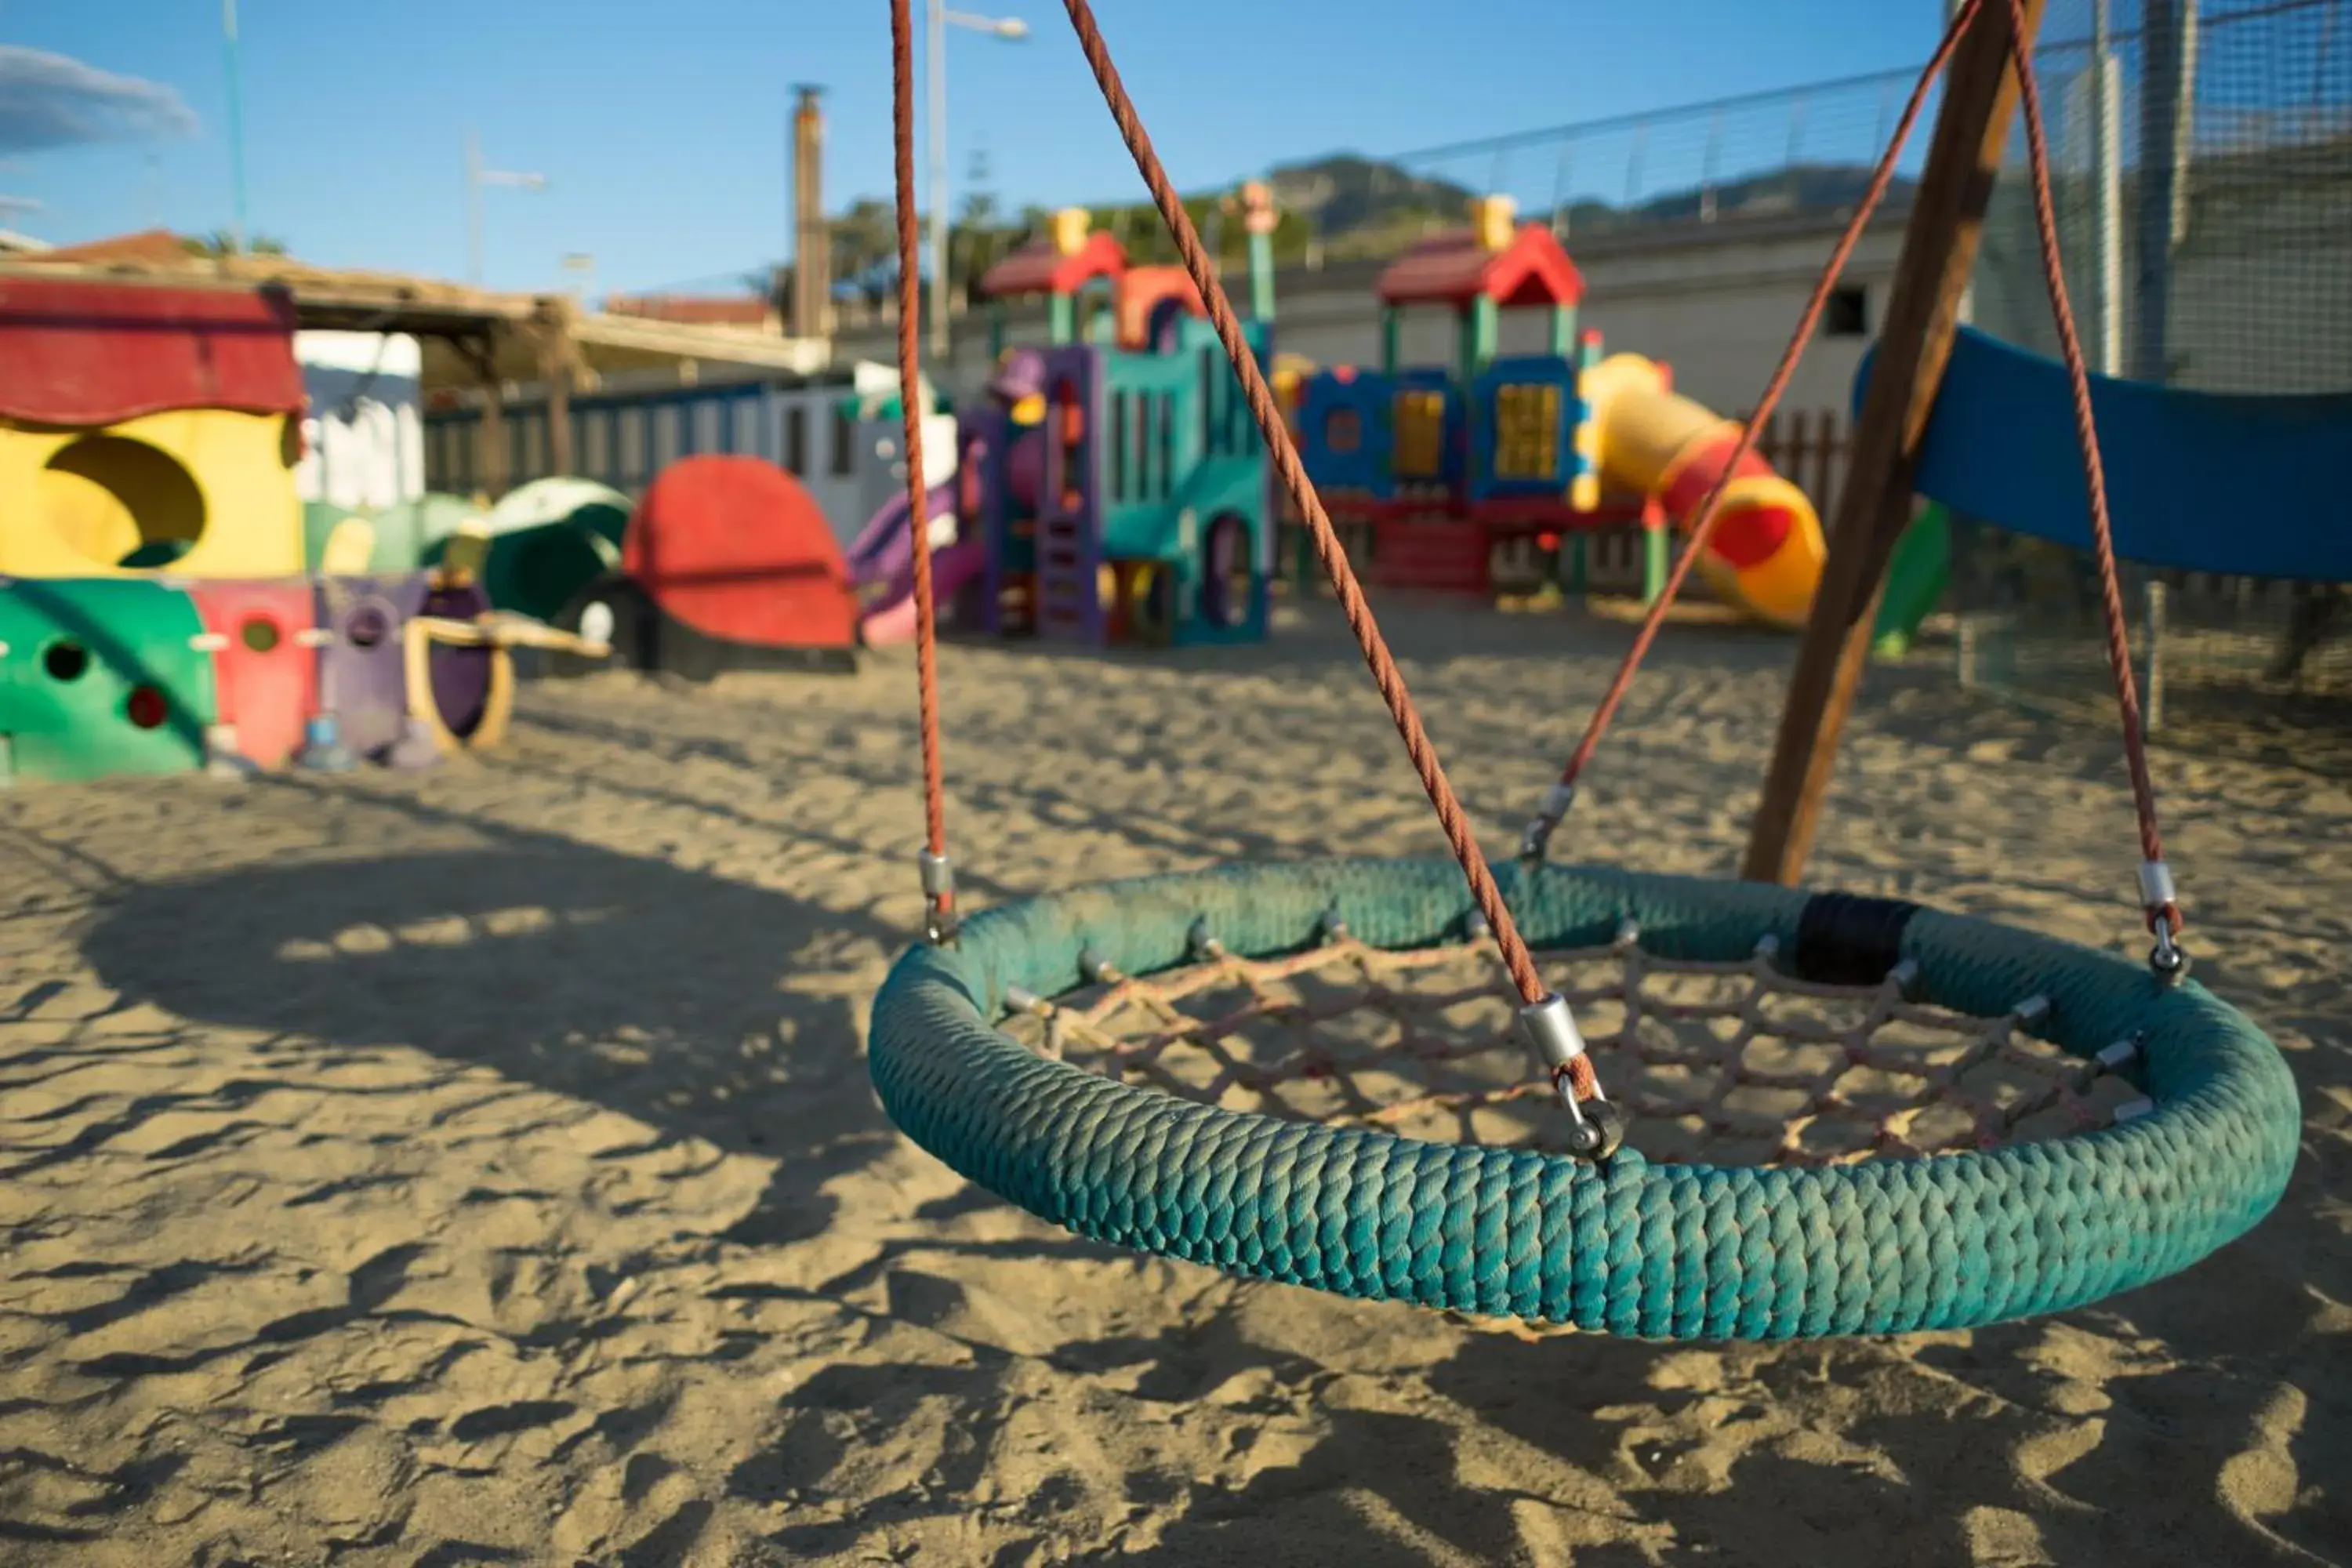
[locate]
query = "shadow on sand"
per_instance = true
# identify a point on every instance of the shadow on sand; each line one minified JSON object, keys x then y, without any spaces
{"x":522,"y":956}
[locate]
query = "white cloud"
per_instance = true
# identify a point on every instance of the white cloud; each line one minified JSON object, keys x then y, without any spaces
{"x":48,"y":102}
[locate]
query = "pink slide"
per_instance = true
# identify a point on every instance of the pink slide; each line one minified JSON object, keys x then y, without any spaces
{"x":892,"y":618}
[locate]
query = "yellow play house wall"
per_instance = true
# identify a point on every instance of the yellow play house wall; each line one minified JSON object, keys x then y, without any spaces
{"x":74,"y":502}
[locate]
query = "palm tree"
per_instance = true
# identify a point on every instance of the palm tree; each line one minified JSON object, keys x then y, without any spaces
{"x":220,"y":243}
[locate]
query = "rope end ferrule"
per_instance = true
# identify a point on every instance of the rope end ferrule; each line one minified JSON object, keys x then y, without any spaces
{"x":1551,"y":1027}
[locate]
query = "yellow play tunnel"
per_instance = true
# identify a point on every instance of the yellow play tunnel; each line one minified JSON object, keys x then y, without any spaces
{"x":1766,"y":553}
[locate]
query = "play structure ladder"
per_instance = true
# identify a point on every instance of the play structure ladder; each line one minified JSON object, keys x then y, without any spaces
{"x":1068,"y":603}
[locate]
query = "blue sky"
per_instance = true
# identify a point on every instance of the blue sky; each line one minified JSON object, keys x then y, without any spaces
{"x":660,"y":127}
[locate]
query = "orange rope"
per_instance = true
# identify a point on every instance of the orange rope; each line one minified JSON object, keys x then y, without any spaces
{"x":941,"y":901}
{"x":2095,"y":477}
{"x":1285,"y":454}
{"x":1702,"y":528}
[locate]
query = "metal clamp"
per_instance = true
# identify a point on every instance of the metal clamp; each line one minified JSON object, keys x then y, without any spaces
{"x":1535,"y":839}
{"x":2160,"y":899}
{"x":1597,"y":1130}
{"x":940,"y":922}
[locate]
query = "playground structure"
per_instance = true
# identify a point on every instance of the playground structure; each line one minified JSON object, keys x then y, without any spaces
{"x":101,"y":677}
{"x":156,"y":615}
{"x":144,"y":426}
{"x":1472,"y":476}
{"x":1110,"y":487}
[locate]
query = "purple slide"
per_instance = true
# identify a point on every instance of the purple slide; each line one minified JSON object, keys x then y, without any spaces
{"x":880,"y":554}
{"x":892,"y":619}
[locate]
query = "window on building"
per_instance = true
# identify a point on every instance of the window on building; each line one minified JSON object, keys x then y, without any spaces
{"x":1848,"y":315}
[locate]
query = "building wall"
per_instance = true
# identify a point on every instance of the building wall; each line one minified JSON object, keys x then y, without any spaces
{"x":1717,"y":303}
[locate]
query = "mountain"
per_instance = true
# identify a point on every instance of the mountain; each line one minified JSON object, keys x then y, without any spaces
{"x":1363,"y":206}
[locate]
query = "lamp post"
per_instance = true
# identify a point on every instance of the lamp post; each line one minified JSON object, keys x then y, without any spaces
{"x":583,"y":265}
{"x":235,"y":123}
{"x":1009,"y":29}
{"x":477,"y":177}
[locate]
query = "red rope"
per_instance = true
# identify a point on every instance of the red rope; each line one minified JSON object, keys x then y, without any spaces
{"x":910,"y":404}
{"x":1702,"y":527}
{"x":1293,"y":473}
{"x":2095,"y":477}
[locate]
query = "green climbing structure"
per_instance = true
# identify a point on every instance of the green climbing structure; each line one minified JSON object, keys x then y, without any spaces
{"x":101,"y":676}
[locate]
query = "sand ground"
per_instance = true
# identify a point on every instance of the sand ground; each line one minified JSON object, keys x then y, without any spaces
{"x":480,"y":1167}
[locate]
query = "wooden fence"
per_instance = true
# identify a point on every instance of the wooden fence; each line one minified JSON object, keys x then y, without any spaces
{"x":1809,"y":451}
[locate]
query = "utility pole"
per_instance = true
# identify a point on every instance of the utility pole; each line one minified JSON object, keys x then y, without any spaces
{"x":237,"y":233}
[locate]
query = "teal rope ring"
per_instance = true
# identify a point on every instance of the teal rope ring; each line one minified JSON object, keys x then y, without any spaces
{"x":1630,"y":1247}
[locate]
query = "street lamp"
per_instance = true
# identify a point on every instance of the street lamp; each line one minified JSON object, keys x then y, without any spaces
{"x":475,"y":178}
{"x":583,"y":265}
{"x":1007,"y":29}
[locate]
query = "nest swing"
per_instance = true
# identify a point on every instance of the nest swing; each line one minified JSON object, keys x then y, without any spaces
{"x":1309,"y":1073}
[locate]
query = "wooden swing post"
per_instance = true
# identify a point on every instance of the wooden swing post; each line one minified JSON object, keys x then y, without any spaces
{"x":1923,"y":312}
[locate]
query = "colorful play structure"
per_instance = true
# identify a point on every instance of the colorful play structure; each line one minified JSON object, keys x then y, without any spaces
{"x":1111,"y":486}
{"x":156,"y":614}
{"x":1454,"y":478}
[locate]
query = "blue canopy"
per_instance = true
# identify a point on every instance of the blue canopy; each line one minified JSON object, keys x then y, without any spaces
{"x":2250,"y":486}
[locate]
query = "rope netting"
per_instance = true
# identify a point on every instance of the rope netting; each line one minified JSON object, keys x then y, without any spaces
{"x":1722,"y":1063}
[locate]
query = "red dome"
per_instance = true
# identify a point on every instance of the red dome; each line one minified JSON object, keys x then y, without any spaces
{"x":732,"y":547}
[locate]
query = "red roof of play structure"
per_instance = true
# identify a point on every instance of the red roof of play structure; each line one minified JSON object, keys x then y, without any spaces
{"x":1454,"y":269}
{"x":1038,"y":268}
{"x":1141,"y":292}
{"x":82,"y":352}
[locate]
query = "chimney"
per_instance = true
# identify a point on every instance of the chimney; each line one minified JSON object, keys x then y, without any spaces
{"x":812,"y":244}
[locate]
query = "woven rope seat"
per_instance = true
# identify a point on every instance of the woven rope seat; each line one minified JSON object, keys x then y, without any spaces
{"x":2163,"y":1126}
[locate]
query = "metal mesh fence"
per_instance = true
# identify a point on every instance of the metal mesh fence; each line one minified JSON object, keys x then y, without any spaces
{"x":2202,"y":156}
{"x":1806,"y":149}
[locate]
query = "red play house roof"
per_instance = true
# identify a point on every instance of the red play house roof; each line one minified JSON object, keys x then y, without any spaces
{"x":1454,"y":269}
{"x":1038,"y":268}
{"x":85,"y":353}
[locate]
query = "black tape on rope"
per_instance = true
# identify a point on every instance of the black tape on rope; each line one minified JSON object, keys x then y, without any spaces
{"x":1846,"y":939}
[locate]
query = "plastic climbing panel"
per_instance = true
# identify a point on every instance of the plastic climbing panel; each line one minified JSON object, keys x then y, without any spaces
{"x":264,"y":662}
{"x":101,"y":677}
{"x":464,"y":681}
{"x":362,"y":672}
